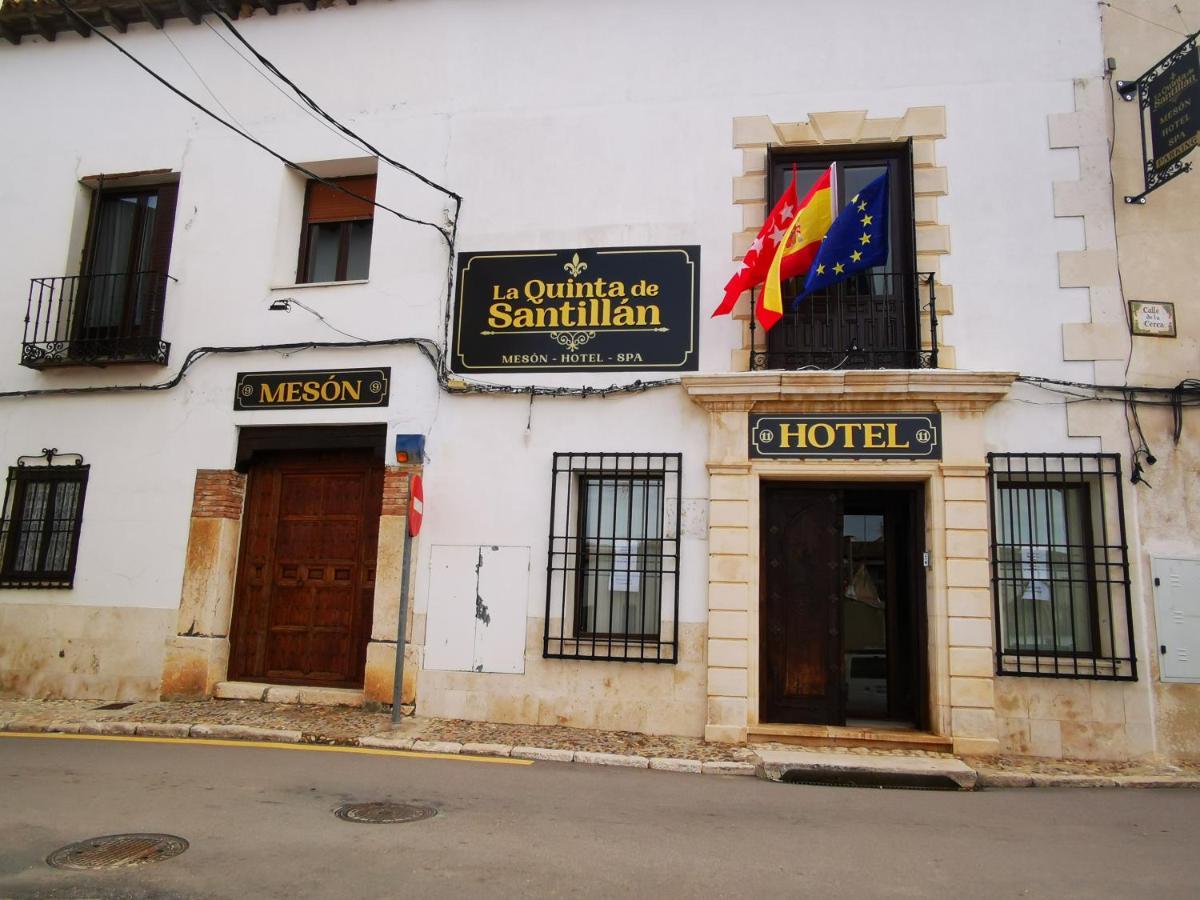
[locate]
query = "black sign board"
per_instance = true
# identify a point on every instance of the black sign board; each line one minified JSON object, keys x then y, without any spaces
{"x":588,"y":310}
{"x":312,"y":389}
{"x":846,"y":436}
{"x":1169,"y":100}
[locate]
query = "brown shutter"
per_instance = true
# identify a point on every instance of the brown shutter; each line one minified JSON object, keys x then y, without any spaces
{"x":164,"y":226}
{"x":326,"y":204}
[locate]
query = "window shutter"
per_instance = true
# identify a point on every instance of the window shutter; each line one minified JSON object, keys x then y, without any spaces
{"x":164,"y":227}
{"x":326,"y":204}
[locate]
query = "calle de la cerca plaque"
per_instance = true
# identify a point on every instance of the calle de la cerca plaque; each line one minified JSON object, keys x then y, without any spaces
{"x":579,"y":310}
{"x":859,"y":436}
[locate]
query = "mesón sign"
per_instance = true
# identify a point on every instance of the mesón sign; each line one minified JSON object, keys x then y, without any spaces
{"x":312,"y":389}
{"x":586,"y":310}
{"x":846,"y":436}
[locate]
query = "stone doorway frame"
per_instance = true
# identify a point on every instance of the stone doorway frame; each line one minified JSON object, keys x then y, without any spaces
{"x":960,"y":662}
{"x":197,"y":656}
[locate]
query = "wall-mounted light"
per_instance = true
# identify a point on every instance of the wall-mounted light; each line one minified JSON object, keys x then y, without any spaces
{"x":282,"y":304}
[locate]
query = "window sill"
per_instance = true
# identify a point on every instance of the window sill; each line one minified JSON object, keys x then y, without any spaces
{"x":316,"y":284}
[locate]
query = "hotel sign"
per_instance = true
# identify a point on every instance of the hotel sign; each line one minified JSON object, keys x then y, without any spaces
{"x":846,"y":437}
{"x":1169,"y":103}
{"x":587,"y":310}
{"x":312,"y":389}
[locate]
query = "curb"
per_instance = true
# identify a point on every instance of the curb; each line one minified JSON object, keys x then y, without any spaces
{"x":987,"y":778}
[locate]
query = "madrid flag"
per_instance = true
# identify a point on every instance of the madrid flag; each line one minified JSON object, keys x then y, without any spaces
{"x":758,"y":258}
{"x":799,"y":245}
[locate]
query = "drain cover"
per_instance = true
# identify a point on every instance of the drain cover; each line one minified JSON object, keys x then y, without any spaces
{"x":383,"y":813}
{"x":116,"y":851}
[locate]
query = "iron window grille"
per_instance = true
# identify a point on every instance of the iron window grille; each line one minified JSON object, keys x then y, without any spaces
{"x":42,"y":516}
{"x":1060,"y":567}
{"x":612,"y":579}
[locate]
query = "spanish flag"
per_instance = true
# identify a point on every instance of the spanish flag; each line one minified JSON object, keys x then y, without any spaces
{"x":798,"y":249}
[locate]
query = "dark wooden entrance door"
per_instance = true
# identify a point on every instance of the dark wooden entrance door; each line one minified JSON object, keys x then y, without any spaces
{"x":306,"y":575}
{"x":801,"y":625}
{"x":842,"y":622}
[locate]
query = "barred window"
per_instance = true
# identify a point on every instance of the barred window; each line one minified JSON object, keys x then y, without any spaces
{"x":1060,"y":568}
{"x":612,"y":586}
{"x":39,"y":531}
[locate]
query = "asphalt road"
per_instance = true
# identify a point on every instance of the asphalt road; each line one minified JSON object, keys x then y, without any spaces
{"x":260,"y":824}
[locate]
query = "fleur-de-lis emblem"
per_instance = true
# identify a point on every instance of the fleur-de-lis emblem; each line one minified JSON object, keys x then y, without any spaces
{"x":574,"y":267}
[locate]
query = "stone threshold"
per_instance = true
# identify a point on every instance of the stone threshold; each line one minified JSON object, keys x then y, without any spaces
{"x":816,"y":736}
{"x":283,"y":693}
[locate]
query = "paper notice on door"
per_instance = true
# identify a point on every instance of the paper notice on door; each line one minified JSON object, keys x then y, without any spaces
{"x":1035,"y":566}
{"x":625,"y":574}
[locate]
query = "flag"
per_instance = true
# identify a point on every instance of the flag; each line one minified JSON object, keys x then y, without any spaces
{"x":800,"y":243}
{"x":857,"y":239}
{"x":760,"y":253}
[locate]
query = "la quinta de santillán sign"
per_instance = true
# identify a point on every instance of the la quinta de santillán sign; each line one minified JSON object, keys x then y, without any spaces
{"x":580,"y":310}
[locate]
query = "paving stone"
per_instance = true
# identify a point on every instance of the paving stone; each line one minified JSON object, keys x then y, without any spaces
{"x":382,"y":742}
{"x":728,"y":768}
{"x":157,"y":729}
{"x":783,"y":765}
{"x":611,"y":759}
{"x":119,"y":727}
{"x":666,"y":764}
{"x":437,"y":746}
{"x":27,"y":727}
{"x":246,"y":733}
{"x":1041,"y":779}
{"x":545,"y":754}
{"x":64,"y":727}
{"x":995,"y":779}
{"x":1156,"y":781}
{"x":475,"y":749}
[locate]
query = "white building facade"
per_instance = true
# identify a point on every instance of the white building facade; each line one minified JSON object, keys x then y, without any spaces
{"x":195,"y":540}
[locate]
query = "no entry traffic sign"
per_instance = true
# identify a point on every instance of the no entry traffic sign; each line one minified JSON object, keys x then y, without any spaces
{"x":416,"y":505}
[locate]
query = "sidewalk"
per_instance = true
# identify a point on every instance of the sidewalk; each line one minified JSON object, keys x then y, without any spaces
{"x":291,"y":723}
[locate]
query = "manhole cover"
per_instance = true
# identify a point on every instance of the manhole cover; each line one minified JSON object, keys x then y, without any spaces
{"x":115,"y":851}
{"x":383,"y":813}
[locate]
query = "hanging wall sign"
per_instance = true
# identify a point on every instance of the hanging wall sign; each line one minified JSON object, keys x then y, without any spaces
{"x":588,"y":310}
{"x":312,"y":389}
{"x":1169,"y":102}
{"x":858,"y":436}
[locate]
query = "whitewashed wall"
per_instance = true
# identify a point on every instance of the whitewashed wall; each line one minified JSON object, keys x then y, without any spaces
{"x":563,"y":124}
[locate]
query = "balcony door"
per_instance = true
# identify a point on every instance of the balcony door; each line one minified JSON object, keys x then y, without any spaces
{"x":119,"y":298}
{"x":869,"y":321}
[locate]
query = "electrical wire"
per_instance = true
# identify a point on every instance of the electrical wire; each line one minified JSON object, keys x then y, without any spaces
{"x":208,"y":112}
{"x":1144,"y":19}
{"x":199,"y":78}
{"x":316,"y":107}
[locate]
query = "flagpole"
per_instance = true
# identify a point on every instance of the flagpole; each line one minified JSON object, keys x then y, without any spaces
{"x":752,"y":328}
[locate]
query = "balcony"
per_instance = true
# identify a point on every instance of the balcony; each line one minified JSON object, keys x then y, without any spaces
{"x":875,"y":320}
{"x":95,"y":320}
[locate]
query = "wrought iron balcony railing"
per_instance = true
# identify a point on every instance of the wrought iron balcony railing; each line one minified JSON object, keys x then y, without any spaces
{"x":875,"y":320}
{"x":80,"y":320}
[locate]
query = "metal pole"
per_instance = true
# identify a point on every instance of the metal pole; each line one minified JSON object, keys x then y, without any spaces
{"x":401,"y":626}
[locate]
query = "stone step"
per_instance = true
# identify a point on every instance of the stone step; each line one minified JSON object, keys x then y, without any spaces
{"x":849,"y":736}
{"x":281,"y":693}
{"x":864,"y":770}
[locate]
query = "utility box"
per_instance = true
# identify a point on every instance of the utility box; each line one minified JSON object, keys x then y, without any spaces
{"x":1177,"y":609}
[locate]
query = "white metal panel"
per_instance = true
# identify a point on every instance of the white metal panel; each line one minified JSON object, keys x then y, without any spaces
{"x":476,"y":609}
{"x":500,"y":610}
{"x":1177,"y":604}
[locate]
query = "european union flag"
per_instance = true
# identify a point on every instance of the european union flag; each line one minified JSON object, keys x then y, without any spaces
{"x":856,"y":241}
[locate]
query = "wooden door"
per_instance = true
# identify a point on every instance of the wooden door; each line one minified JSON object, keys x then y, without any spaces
{"x":801,"y":605}
{"x":306,"y":576}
